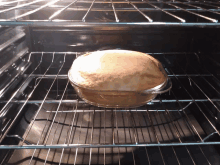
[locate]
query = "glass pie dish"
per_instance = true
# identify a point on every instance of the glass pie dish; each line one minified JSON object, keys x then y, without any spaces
{"x":121,"y":99}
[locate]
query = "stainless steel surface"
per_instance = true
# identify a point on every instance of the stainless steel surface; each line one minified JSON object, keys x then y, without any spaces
{"x":199,"y":15}
{"x":20,"y":110}
{"x":84,"y":17}
{"x":155,"y":9}
{"x":15,"y":58}
{"x":20,"y":6}
{"x":57,"y":13}
{"x":115,"y":13}
{"x":19,"y":71}
{"x":12,"y":40}
{"x":82,"y":102}
{"x":182,"y":20}
{"x":61,"y":10}
{"x":6,"y":3}
{"x":148,"y":18}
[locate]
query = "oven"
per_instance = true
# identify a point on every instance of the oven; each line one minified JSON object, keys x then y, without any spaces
{"x":43,"y":120}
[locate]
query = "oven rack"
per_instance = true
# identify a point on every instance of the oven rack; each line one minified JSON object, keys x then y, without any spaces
{"x":144,"y":126}
{"x":111,"y":13}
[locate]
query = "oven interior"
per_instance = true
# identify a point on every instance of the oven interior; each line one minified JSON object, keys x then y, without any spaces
{"x":43,"y":121}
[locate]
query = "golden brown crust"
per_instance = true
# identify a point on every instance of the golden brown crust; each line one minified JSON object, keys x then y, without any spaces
{"x":116,"y":70}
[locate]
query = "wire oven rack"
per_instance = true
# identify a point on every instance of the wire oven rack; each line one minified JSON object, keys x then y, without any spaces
{"x":167,"y":115}
{"x":110,"y":13}
{"x":63,"y":123}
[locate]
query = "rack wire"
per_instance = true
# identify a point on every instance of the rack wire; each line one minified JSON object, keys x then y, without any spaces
{"x":110,"y":13}
{"x":64,"y":126}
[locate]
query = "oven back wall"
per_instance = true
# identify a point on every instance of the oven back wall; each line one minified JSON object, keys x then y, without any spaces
{"x":96,"y":38}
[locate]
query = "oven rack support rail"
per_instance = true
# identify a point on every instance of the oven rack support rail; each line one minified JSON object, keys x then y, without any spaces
{"x":175,"y":126}
{"x":102,"y":145}
{"x":197,"y":9}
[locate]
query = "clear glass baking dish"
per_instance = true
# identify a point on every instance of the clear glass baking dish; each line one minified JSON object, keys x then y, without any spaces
{"x":121,"y":99}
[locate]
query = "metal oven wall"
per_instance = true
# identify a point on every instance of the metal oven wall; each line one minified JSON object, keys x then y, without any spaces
{"x":152,"y":40}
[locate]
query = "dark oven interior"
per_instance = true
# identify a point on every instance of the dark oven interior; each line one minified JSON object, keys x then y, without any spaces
{"x":42,"y":119}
